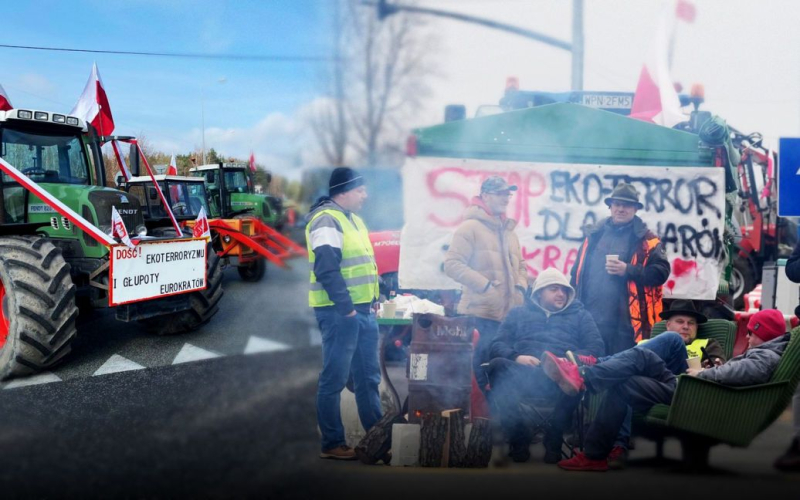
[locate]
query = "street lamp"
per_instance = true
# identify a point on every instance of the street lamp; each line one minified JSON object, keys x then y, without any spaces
{"x":203,"y":111}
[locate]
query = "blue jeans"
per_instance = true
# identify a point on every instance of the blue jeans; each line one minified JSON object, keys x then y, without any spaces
{"x":348,"y":344}
{"x":670,"y":347}
{"x":637,"y":378}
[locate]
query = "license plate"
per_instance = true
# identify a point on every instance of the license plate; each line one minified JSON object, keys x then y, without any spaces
{"x":608,"y":101}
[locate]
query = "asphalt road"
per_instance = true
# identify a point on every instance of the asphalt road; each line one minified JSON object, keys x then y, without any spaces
{"x":271,"y":315}
{"x":243,"y":425}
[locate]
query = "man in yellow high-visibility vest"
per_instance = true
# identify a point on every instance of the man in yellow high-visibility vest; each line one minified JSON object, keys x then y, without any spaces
{"x":344,"y":286}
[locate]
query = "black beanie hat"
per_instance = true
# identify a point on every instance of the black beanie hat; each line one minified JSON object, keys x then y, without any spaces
{"x":343,"y":179}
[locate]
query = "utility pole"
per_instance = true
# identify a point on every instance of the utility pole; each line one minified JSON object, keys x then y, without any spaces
{"x":577,"y":44}
{"x":385,"y":9}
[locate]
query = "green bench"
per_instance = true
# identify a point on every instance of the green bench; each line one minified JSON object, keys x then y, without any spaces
{"x":704,"y":414}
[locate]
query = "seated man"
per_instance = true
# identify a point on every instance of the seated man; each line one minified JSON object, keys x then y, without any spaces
{"x":640,"y":378}
{"x":553,"y":320}
{"x":682,"y":321}
{"x":674,"y":346}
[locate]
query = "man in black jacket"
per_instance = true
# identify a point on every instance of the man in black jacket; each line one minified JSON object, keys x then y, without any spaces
{"x":790,"y":461}
{"x":552,"y":321}
{"x":619,"y":272}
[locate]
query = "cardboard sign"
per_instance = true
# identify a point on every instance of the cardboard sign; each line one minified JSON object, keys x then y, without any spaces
{"x":684,"y":206}
{"x":156,"y":269}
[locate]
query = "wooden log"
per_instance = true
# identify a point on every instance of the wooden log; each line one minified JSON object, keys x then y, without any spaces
{"x":375,"y":445}
{"x":479,"y":449}
{"x":455,"y":449}
{"x":433,"y":434}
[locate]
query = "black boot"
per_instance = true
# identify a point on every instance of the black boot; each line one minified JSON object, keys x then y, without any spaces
{"x":790,"y":461}
{"x":519,"y":451}
{"x":552,"y":447}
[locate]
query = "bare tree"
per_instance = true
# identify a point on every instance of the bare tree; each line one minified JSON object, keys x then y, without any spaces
{"x":329,"y":119}
{"x":375,"y":86}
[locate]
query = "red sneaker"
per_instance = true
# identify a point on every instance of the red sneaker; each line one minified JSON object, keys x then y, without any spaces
{"x":581,"y":359}
{"x":581,"y":462}
{"x":563,"y":373}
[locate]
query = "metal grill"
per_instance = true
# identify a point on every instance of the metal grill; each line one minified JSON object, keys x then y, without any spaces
{"x":54,"y":222}
{"x":127,"y":206}
{"x":66,"y":223}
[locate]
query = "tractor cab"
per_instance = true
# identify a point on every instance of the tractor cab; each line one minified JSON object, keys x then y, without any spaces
{"x":232,"y":193}
{"x":184,"y":195}
{"x":224,"y":180}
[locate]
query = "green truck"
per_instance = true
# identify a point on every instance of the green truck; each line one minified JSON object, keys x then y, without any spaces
{"x":566,"y":157}
{"x":49,"y":267}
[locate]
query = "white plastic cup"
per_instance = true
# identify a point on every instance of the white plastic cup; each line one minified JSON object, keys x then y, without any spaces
{"x":694,"y":362}
{"x":611,"y":257}
{"x":389,"y":310}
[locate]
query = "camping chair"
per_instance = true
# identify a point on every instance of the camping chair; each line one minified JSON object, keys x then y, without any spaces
{"x":538,"y":415}
{"x":704,"y":413}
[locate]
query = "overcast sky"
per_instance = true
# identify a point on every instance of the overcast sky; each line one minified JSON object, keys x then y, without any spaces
{"x":744,"y":53}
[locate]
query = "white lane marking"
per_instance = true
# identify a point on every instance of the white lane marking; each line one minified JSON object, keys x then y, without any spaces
{"x":258,"y":344}
{"x":314,"y":336}
{"x":41,"y":378}
{"x":191,"y":352}
{"x":117,"y":363}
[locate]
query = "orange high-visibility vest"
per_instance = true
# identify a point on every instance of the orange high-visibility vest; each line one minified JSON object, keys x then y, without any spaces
{"x":644,"y":307}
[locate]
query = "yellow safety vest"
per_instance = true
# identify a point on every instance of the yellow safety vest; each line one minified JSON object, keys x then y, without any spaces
{"x":693,"y":349}
{"x":358,"y":266}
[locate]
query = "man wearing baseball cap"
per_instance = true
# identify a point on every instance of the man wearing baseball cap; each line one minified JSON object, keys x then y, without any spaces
{"x":640,"y":378}
{"x":485,"y":257}
{"x":344,"y":285}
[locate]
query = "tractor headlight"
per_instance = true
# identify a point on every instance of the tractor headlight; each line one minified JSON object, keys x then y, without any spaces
{"x":71,"y":120}
{"x":59,"y":118}
{"x":40,"y":115}
{"x":226,"y":238}
{"x":24,"y":114}
{"x":141,"y":230}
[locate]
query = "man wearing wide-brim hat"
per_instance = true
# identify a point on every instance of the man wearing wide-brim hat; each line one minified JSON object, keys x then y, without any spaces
{"x":619,"y":272}
{"x":618,"y":275}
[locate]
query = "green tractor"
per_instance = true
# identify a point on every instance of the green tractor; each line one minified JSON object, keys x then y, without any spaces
{"x":233,"y":193}
{"x":48,"y":266}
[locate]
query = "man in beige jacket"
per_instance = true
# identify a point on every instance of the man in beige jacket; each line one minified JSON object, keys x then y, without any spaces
{"x":486,"y":259}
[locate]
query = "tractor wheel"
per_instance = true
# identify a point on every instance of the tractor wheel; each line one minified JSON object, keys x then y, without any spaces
{"x":742,"y":281}
{"x":38,"y":313}
{"x":204,"y":304}
{"x":254,"y":270}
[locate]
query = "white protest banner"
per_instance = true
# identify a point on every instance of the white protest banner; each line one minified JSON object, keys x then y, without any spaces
{"x":156,"y":269}
{"x":683,"y":205}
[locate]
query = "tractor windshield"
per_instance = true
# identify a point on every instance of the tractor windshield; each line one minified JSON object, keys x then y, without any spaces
{"x":236,"y":181}
{"x":185,"y":198}
{"x":45,"y":157}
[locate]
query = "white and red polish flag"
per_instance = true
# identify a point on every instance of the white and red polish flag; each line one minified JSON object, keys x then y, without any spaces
{"x":172,"y":169}
{"x":656,"y":100}
{"x":201,"y":227}
{"x":118,"y":229}
{"x":5,"y":103}
{"x":252,"y":162}
{"x":93,"y":105}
